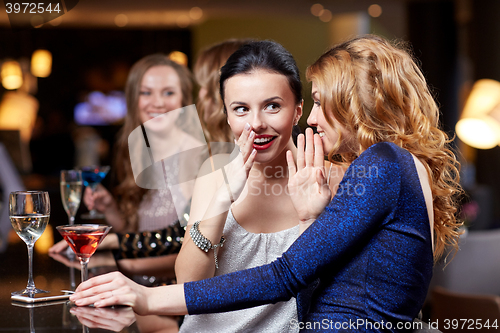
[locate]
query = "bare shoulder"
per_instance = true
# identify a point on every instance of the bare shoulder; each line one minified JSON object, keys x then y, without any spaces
{"x":212,"y":164}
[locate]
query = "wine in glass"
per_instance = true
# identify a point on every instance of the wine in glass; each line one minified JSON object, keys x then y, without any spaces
{"x":71,"y":192}
{"x":83,"y":240}
{"x":92,"y":176}
{"x":29,"y":213}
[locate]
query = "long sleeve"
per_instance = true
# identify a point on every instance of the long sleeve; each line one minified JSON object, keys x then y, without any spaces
{"x":367,"y":199}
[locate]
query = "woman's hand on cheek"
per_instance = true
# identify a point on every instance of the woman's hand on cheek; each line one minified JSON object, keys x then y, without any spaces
{"x":112,"y":289}
{"x":238,"y":169}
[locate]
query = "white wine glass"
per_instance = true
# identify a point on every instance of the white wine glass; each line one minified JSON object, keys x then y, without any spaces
{"x":92,"y":176}
{"x":71,"y":195}
{"x":71,"y":192}
{"x":29,"y":213}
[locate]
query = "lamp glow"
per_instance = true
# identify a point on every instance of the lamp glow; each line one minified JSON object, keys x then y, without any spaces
{"x":179,"y":57}
{"x":41,"y":63}
{"x":481,"y":133}
{"x":121,"y":20}
{"x":375,"y":10}
{"x":317,"y":9}
{"x":12,"y":75}
{"x":326,"y":16}
{"x":195,"y":13}
{"x":18,"y":111}
{"x":484,"y":97}
{"x":479,"y":126}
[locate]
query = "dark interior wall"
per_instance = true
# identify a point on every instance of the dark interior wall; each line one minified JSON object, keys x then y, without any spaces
{"x":434,"y":32}
{"x":433,"y":35}
{"x":485,"y":52}
{"x":84,"y":60}
{"x":78,"y":53}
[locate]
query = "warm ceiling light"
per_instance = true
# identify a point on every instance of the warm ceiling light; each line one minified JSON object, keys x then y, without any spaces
{"x":479,"y":126}
{"x":41,"y":63}
{"x":183,"y":21}
{"x":121,"y":20}
{"x":18,"y":111}
{"x":12,"y":76}
{"x":179,"y":57}
{"x":317,"y":9}
{"x":375,"y":10}
{"x":326,"y":16}
{"x":195,"y":13}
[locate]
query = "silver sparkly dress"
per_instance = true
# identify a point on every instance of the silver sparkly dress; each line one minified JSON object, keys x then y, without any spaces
{"x":160,"y":208}
{"x":243,"y":250}
{"x":156,"y":210}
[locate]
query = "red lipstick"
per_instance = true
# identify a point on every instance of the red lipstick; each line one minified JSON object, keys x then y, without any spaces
{"x":266,"y":145}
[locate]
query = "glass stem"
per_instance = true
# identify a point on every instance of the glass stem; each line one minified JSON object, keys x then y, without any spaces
{"x":85,"y":271}
{"x":72,"y":278}
{"x":93,"y":187}
{"x":31,"y":284}
{"x":71,"y":220}
{"x":32,"y":320}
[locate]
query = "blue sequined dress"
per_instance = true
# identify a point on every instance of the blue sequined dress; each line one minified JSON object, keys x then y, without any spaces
{"x":370,"y":248}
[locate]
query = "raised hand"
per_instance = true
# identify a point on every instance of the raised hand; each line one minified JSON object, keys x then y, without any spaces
{"x":307,"y":183}
{"x":100,"y":199}
{"x":238,"y":169}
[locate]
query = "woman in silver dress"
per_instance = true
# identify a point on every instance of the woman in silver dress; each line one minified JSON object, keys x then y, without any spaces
{"x":250,"y":222}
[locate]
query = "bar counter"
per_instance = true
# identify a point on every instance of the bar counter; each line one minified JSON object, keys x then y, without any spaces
{"x":54,"y":316}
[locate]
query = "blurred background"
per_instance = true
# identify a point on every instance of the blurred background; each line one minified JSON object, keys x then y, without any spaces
{"x":66,"y":105}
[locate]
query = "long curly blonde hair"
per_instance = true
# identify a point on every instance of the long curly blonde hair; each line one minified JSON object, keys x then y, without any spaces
{"x":377,"y":92}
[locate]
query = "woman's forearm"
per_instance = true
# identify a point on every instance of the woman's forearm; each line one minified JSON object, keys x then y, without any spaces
{"x":166,"y":300}
{"x":154,"y":266}
{"x":114,"y":288}
{"x":193,"y":263}
{"x":331,"y":239}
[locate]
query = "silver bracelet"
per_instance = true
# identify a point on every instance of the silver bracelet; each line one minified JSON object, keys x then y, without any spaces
{"x":203,"y":242}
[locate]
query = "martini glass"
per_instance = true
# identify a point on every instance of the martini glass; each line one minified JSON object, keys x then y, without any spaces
{"x":92,"y":176}
{"x":29,"y":213}
{"x":83,"y":240}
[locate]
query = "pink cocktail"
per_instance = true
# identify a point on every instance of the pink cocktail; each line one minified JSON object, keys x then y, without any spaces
{"x":84,"y":240}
